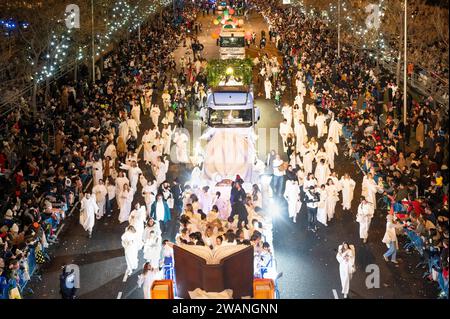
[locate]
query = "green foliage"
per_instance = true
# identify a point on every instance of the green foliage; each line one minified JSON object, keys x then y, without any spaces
{"x":242,"y":69}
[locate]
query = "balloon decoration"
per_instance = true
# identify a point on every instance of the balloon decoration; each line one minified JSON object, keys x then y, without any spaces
{"x":248,"y":35}
{"x":231,"y":11}
{"x":216,"y":22}
{"x":215,"y":36}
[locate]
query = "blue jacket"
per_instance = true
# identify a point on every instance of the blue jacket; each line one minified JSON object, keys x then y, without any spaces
{"x":166,"y":211}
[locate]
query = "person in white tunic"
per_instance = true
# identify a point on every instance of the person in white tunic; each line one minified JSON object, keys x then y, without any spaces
{"x":335,"y":131}
{"x":133,"y":126}
{"x":166,"y":136}
{"x":205,"y":199}
{"x":311,"y":113}
{"x":130,"y":243}
{"x":348,"y":186}
{"x":331,"y":150}
{"x":152,"y":247}
{"x":332,"y":198}
{"x":149,"y":193}
{"x":161,"y":169}
{"x":146,"y":279}
{"x":111,"y":152}
{"x":301,"y":134}
{"x":364,"y":217}
{"x":124,"y":131}
{"x":137,"y":220}
{"x":146,"y":144}
{"x":97,"y":170}
{"x":126,"y":200}
{"x":121,"y":180}
{"x":133,"y":173}
{"x":322,"y":171}
{"x":308,"y":158}
{"x":346,"y":259}
{"x":320,"y":122}
{"x":371,"y":189}
{"x":100,"y":193}
{"x":136,"y":112}
{"x":322,"y":216}
{"x":286,"y":111}
{"x":155,"y":112}
{"x":268,"y":88}
{"x":285,"y":130}
{"x":88,"y":211}
{"x":292,"y":195}
{"x":181,"y":141}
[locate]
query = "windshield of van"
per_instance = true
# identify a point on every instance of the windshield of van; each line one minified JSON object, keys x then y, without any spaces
{"x":230,"y":118}
{"x":232,"y":42}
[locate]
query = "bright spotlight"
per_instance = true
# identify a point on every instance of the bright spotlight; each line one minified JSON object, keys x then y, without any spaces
{"x":229,"y":71}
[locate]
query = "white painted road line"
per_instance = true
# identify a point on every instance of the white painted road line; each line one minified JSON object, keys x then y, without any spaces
{"x":119,"y":295}
{"x":125,"y":277}
{"x":335,"y":294}
{"x":59,"y":230}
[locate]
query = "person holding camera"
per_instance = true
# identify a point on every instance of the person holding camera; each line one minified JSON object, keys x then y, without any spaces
{"x":312,"y":199}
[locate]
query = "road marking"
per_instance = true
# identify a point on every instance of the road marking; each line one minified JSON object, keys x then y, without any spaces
{"x":335,"y":294}
{"x":125,"y":277}
{"x":59,"y":230}
{"x":119,"y":295}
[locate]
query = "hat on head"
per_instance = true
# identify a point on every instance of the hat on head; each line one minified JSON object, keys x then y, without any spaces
{"x":9,"y":214}
{"x":15,"y":228}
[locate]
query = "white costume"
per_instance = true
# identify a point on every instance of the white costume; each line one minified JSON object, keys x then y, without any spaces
{"x":332,"y":198}
{"x":311,"y":113}
{"x":149,"y":194}
{"x":285,"y":130}
{"x":331,"y":150}
{"x":133,"y":126}
{"x":292,"y":195}
{"x":320,"y":122}
{"x":286,"y":111}
{"x":130,"y":243}
{"x":120,"y":181}
{"x":301,"y":135}
{"x":88,"y":211}
{"x":334,"y":131}
{"x":268,"y":88}
{"x":166,"y":136}
{"x":152,"y":247}
{"x":124,"y":130}
{"x":137,"y":219}
{"x":321,"y":173}
{"x":348,"y":186}
{"x":125,"y":208}
{"x":133,"y":174}
{"x":146,"y":282}
{"x":181,"y":141}
{"x":322,"y":216}
{"x":97,"y":170}
{"x":364,"y":217}
{"x":346,"y":267}
{"x":100,"y":192}
{"x":154,"y":114}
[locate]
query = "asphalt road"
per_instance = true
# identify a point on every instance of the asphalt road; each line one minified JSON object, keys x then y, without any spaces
{"x":307,"y":260}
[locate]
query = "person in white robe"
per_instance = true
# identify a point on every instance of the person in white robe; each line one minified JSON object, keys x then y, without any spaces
{"x":170,"y":116}
{"x":364,"y":217}
{"x":137,"y":220}
{"x":146,"y":279}
{"x":292,"y":195}
{"x":311,"y":111}
{"x":124,"y":131}
{"x":331,"y":150}
{"x":181,"y":141}
{"x":97,"y":170}
{"x":88,"y":211}
{"x":136,"y":112}
{"x":335,"y":131}
{"x":322,"y":216}
{"x":308,"y":158}
{"x":166,"y":99}
{"x":301,"y":134}
{"x":111,"y":152}
{"x":346,"y":259}
{"x":161,"y":169}
{"x":130,"y":158}
{"x":152,"y":246}
{"x":146,"y":144}
{"x":133,"y":127}
{"x":285,"y":130}
{"x":314,"y":145}
{"x":121,"y":180}
{"x":322,"y":171}
{"x":100,"y":193}
{"x":130,"y":243}
{"x":370,"y":188}
{"x":155,"y":112}
{"x":126,"y":200}
{"x":205,"y":199}
{"x":166,"y":136}
{"x":222,"y":206}
{"x":149,"y":193}
{"x":286,"y":111}
{"x":268,"y":88}
{"x":348,"y":186}
{"x":332,"y":198}
{"x":320,"y":122}
{"x":321,"y":155}
{"x":133,"y":173}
